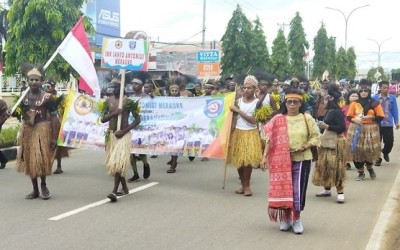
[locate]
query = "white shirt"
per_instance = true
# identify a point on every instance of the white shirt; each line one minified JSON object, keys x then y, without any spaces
{"x":374,"y":89}
{"x":249,"y":109}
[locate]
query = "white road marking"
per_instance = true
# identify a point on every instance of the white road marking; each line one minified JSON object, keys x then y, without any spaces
{"x":95,"y":204}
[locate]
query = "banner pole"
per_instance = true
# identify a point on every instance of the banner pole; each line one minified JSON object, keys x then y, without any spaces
{"x":121,"y":97}
{"x":228,"y":141}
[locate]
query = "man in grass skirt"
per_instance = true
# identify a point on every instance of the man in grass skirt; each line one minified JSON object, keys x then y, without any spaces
{"x":38,"y":133}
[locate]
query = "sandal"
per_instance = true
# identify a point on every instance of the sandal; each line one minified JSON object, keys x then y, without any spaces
{"x":146,"y":171}
{"x":112,"y":197}
{"x":45,"y":193}
{"x":134,"y":178}
{"x":32,"y":195}
{"x":171,"y":170}
{"x":122,"y":192}
{"x":58,"y":171}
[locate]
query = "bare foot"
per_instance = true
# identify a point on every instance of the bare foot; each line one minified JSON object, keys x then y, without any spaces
{"x":239,"y":191}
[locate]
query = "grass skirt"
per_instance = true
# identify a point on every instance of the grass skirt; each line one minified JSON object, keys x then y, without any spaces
{"x":118,"y":154}
{"x":368,"y":147}
{"x":34,"y":156}
{"x":245,"y":148}
{"x":330,"y":168}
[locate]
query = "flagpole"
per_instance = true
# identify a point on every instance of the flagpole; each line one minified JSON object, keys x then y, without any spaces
{"x":121,"y":97}
{"x":228,"y":140}
{"x":23,"y":94}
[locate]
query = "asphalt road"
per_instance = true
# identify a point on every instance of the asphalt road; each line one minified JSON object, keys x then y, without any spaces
{"x":185,"y":210}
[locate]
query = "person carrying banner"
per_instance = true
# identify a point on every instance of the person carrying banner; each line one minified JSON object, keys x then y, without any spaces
{"x":61,"y":152}
{"x":208,"y":88}
{"x":245,"y":146}
{"x":118,"y":141}
{"x":137,"y":95}
{"x":173,"y":92}
{"x":38,"y":132}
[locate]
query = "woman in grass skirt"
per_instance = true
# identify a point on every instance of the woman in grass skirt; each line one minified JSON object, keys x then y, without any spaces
{"x":245,"y":146}
{"x":330,"y":169}
{"x":363,"y":133}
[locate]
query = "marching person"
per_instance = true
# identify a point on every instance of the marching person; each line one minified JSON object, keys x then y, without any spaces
{"x":330,"y":169}
{"x":119,"y":144}
{"x":61,"y":152}
{"x":38,"y":133}
{"x":365,"y":114}
{"x":266,"y":107}
{"x":288,"y":155}
{"x":391,"y":119}
{"x":351,"y":96}
{"x":245,"y":148}
{"x":4,"y":115}
{"x":173,"y":92}
{"x":137,"y":95}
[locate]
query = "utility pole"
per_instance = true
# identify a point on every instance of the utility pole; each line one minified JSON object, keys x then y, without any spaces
{"x":203,"y":40}
{"x":282,"y":25}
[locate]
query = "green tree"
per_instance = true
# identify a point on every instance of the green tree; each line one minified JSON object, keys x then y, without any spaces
{"x":372,"y":74}
{"x":297,"y":44}
{"x":395,"y":74}
{"x":331,"y":55}
{"x":3,"y":31}
{"x":260,"y":50}
{"x":36,"y":28}
{"x":346,"y":63}
{"x":341,"y":64}
{"x":351,"y":67}
{"x":236,"y":44}
{"x":321,"y":60}
{"x":243,"y":45}
{"x":280,"y":56}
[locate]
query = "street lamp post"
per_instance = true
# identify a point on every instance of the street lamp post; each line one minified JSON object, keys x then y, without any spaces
{"x":346,"y":20}
{"x":379,"y":48}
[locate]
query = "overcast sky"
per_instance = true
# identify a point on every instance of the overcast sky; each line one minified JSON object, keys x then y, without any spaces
{"x":182,"y":20}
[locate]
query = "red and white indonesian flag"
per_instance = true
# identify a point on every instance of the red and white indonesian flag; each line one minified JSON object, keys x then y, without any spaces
{"x":76,"y":51}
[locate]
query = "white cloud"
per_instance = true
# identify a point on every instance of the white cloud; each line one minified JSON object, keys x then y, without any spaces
{"x":182,"y":20}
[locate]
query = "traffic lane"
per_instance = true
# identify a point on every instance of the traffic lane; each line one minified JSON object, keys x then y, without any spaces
{"x":186,"y":209}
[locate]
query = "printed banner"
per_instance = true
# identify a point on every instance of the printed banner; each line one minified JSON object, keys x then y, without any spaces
{"x":126,"y":54}
{"x":187,"y":126}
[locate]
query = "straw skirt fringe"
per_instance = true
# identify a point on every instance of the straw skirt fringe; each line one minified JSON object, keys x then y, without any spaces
{"x":34,"y":156}
{"x":118,"y":154}
{"x":368,"y":147}
{"x":245,"y":148}
{"x":330,"y":169}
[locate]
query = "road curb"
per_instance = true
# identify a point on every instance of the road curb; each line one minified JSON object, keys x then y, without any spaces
{"x":378,"y":234}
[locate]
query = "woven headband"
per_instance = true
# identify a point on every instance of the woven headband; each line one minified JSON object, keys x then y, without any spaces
{"x":297,"y":96}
